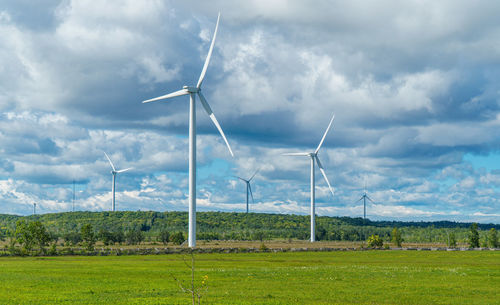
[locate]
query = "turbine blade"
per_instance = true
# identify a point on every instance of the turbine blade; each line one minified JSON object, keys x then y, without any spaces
{"x":370,"y":199}
{"x":253,"y":175}
{"x":324,"y":174}
{"x":111,"y":163}
{"x":360,"y":199}
{"x":212,"y":116}
{"x":250,"y":188}
{"x":166,"y":96}
{"x":324,"y":135}
{"x":124,"y":170}
{"x":205,"y":66}
{"x":296,"y":154}
{"x":239,"y":178}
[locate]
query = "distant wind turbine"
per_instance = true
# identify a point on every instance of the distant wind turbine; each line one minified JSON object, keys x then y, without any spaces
{"x":364,"y":197}
{"x":73,"y":195}
{"x":314,"y":157}
{"x":193,"y":91}
{"x":114,"y":172}
{"x":248,"y":187}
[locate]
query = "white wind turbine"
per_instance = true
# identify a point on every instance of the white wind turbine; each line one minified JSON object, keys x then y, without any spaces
{"x":248,"y":187}
{"x":314,"y":157}
{"x":192,"y":91}
{"x":114,"y":172}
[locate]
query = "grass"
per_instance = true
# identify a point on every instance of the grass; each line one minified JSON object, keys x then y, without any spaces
{"x":353,"y":277}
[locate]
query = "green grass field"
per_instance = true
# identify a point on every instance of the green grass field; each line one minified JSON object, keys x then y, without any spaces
{"x":360,"y":277}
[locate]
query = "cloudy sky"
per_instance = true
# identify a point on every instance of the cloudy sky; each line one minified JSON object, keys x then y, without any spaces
{"x":413,"y":86}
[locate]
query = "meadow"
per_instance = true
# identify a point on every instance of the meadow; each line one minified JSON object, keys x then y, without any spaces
{"x":339,"y":277}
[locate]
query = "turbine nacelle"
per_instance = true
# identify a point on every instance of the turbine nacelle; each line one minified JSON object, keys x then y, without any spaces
{"x":314,"y":155}
{"x":191,"y":89}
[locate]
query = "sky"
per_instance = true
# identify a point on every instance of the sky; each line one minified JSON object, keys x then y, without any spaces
{"x":413,"y":86}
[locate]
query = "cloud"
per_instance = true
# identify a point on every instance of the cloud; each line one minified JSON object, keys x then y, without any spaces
{"x":413,"y":86}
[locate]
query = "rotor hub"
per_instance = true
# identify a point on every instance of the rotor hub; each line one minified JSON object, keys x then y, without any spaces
{"x":191,"y":89}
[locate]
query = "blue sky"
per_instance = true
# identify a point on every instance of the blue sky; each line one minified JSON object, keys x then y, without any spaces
{"x":413,"y":85}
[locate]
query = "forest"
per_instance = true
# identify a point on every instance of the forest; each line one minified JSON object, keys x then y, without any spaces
{"x":135,"y":227}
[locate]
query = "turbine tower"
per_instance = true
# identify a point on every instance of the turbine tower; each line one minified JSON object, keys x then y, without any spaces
{"x":248,"y":187}
{"x":314,"y":157}
{"x":364,"y":197}
{"x":114,"y":172}
{"x":73,"y":195}
{"x":193,"y":91}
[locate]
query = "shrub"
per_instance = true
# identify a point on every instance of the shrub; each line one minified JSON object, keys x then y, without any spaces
{"x":258,"y":235}
{"x":452,"y":241}
{"x":72,"y":238}
{"x":375,"y":241}
{"x":53,"y":249}
{"x":178,"y":238}
{"x":134,"y":237}
{"x":396,"y":237}
{"x":164,"y":237}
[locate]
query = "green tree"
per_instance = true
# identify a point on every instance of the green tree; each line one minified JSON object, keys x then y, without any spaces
{"x":106,"y":237}
{"x":375,"y":241}
{"x":397,"y":239}
{"x":72,"y":238}
{"x":493,"y":238}
{"x":88,"y":237}
{"x":32,"y":234}
{"x":40,"y":235}
{"x":178,"y":238}
{"x":473,"y":236}
{"x":24,"y":236}
{"x":118,"y":237}
{"x":134,"y":237}
{"x":452,"y":242}
{"x":258,"y":235}
{"x":164,"y":236}
{"x":320,"y":233}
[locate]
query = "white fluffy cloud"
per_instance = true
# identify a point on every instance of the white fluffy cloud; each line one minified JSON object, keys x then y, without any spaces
{"x":413,"y":86}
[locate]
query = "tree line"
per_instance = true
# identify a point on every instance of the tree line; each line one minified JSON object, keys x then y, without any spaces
{"x":72,"y":228}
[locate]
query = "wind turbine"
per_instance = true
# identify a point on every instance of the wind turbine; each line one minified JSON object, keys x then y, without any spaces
{"x":114,"y":172}
{"x":364,"y":197}
{"x":193,"y":91}
{"x":249,"y":188}
{"x":314,"y":157}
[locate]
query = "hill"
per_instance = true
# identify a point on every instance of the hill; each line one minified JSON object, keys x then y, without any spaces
{"x":242,"y":226}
